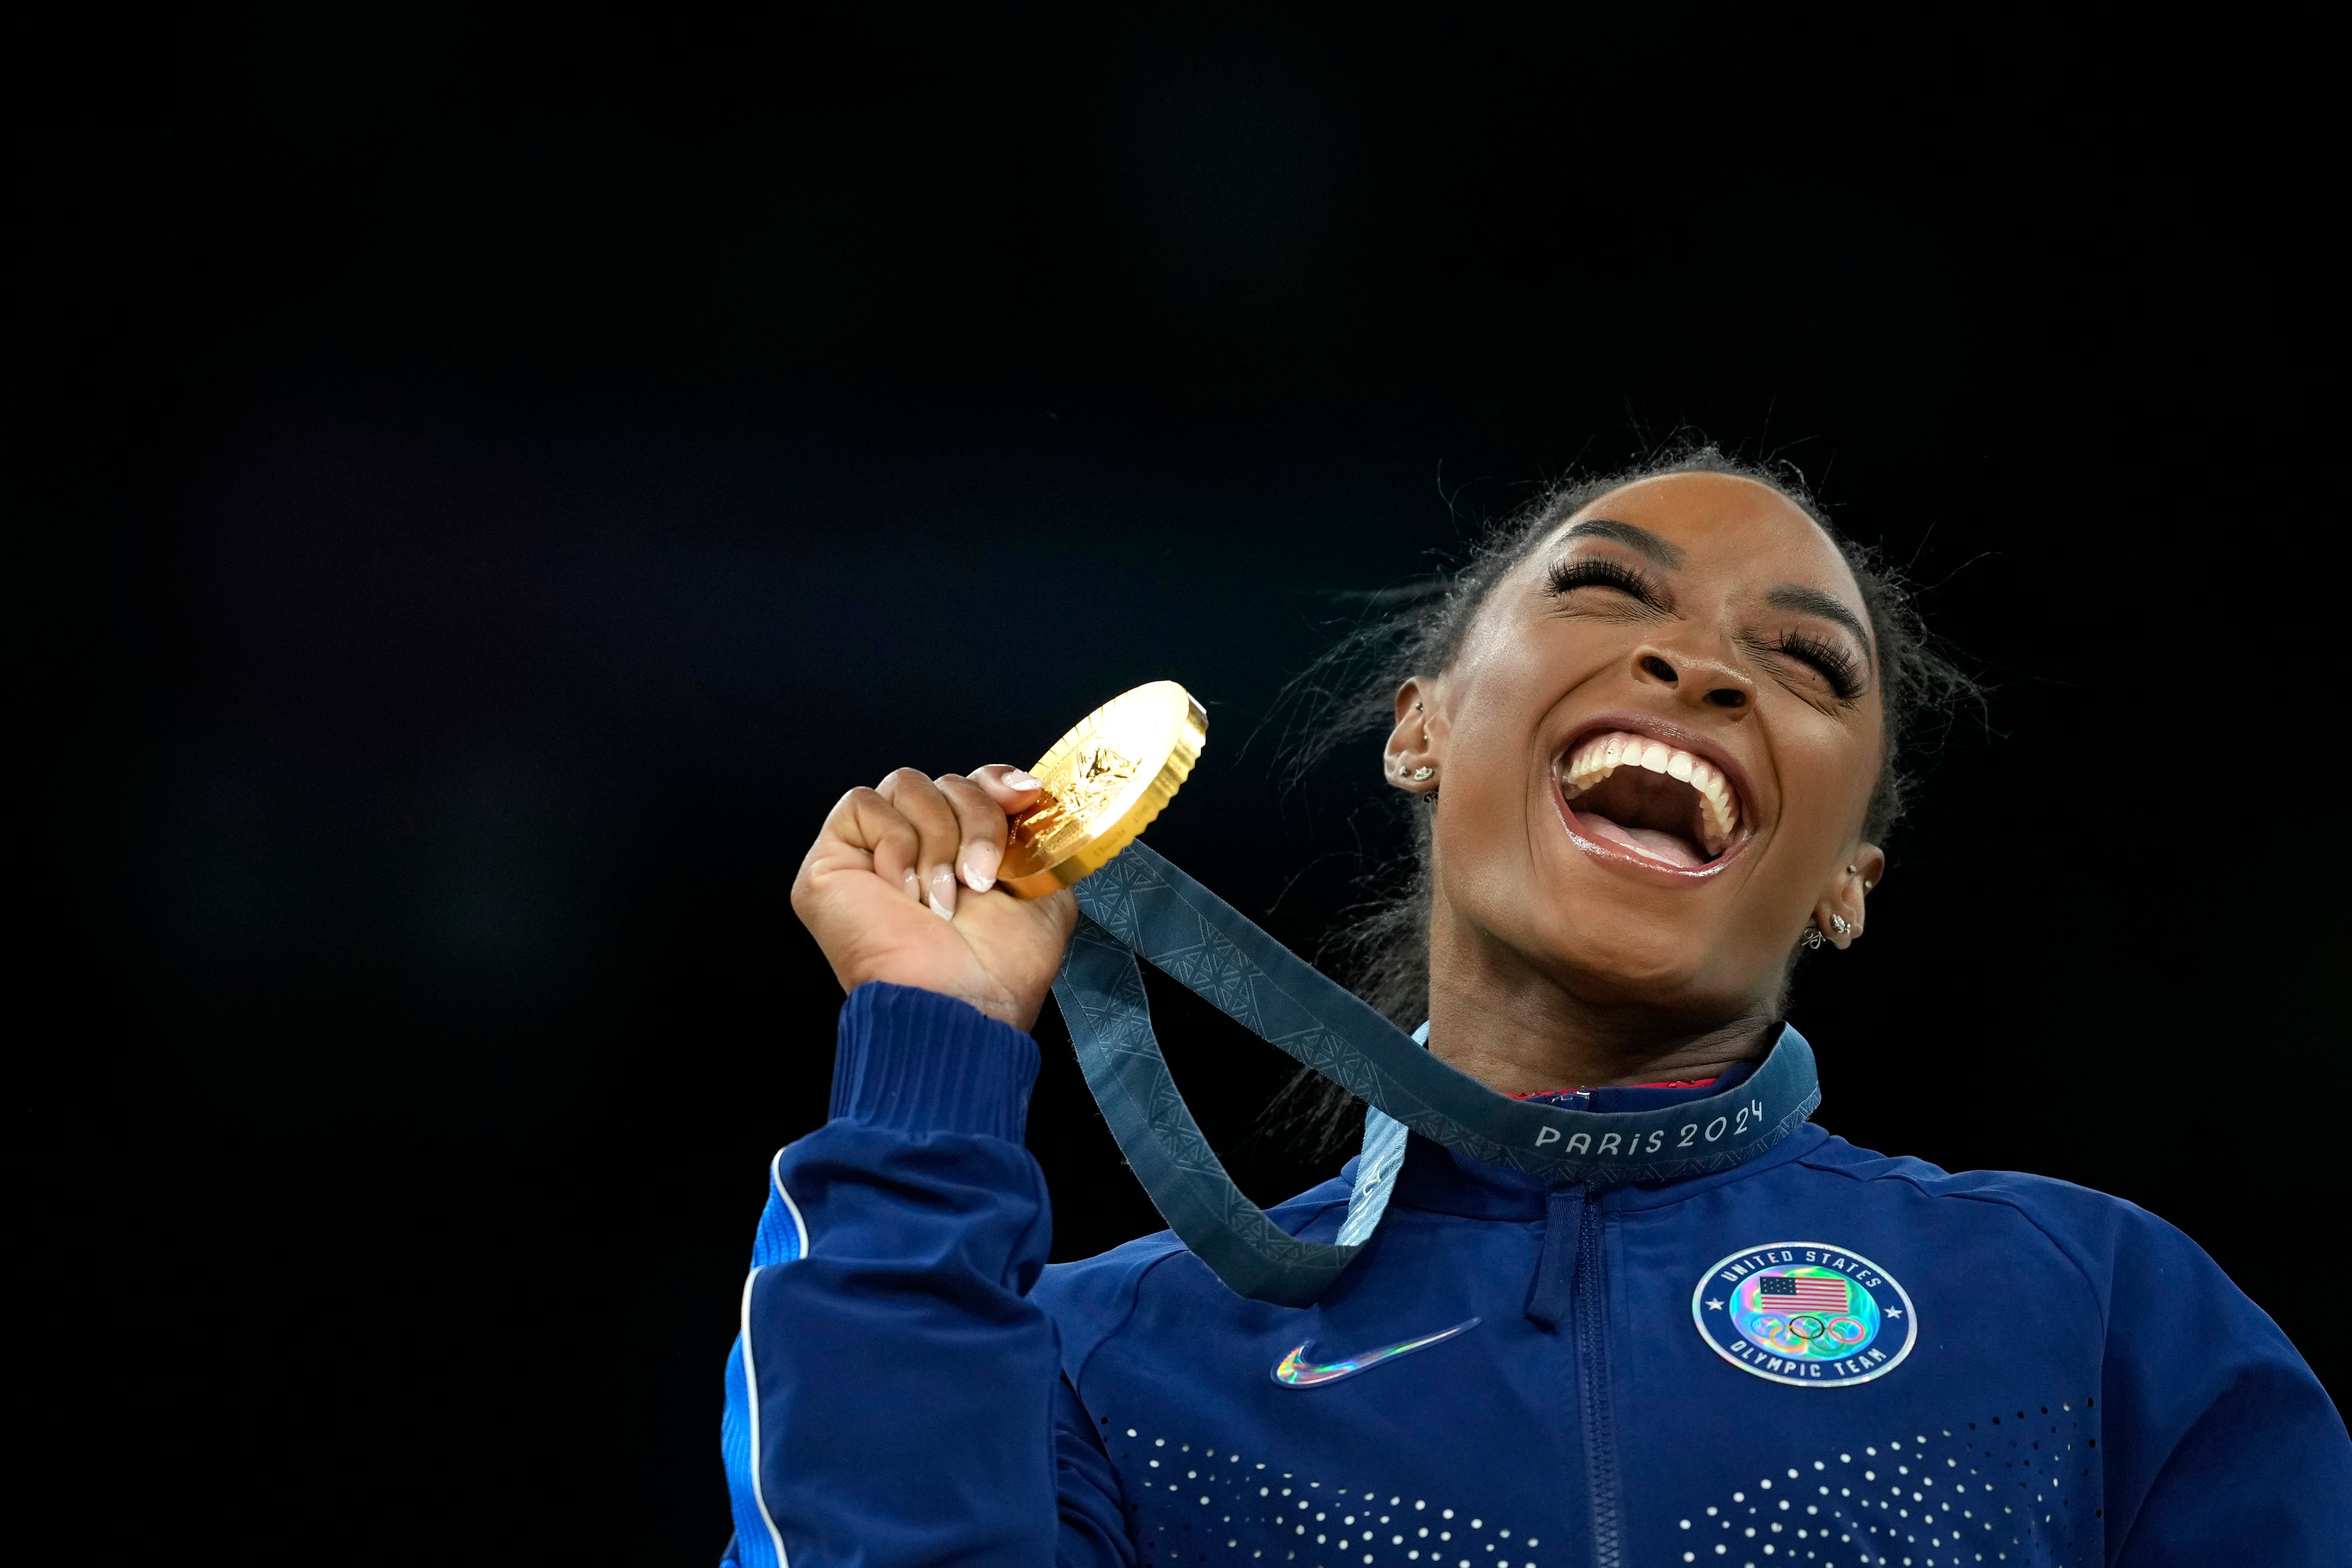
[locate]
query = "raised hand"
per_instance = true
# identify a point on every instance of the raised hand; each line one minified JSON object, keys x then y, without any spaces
{"x":901,"y":886}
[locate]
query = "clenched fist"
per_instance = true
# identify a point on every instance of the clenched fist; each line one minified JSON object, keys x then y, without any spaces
{"x":901,"y":886}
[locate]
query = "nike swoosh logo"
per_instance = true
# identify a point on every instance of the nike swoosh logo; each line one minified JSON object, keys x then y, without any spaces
{"x":1295,"y":1371}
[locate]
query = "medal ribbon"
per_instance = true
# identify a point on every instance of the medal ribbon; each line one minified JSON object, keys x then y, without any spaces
{"x":1140,"y":905}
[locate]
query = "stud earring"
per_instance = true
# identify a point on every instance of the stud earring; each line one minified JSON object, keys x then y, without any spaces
{"x":1841,"y":925}
{"x":1421,"y":772}
{"x":1849,"y":870}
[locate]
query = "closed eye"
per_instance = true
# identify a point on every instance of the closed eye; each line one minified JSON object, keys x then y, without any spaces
{"x":1599,"y":571}
{"x":1833,"y":661}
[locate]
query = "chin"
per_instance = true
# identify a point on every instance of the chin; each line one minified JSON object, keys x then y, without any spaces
{"x":1636,"y":962}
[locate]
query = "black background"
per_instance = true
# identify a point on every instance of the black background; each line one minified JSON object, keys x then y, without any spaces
{"x":515,"y":484}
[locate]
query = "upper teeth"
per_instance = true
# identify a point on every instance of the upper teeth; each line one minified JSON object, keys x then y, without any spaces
{"x":1603,"y":755}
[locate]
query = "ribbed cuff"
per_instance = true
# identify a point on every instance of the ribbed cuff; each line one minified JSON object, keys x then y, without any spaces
{"x":916,"y":1061}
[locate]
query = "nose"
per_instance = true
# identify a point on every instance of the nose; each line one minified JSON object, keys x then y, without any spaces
{"x":1697,"y":681}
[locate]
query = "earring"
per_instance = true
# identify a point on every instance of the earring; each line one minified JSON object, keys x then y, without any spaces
{"x":1811,"y":939}
{"x":1423,"y":772}
{"x":1849,"y":870}
{"x":1839,"y":924}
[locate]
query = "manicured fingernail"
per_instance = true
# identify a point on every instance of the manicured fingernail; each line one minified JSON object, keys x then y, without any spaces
{"x":1020,"y":780}
{"x":980,"y":864}
{"x":943,"y":892}
{"x":913,"y":884}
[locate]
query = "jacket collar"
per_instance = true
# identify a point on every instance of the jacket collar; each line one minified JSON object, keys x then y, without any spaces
{"x":1438,"y":1180}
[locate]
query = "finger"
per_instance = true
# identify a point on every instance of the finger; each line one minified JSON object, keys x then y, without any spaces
{"x":878,"y":831}
{"x":1007,"y":786}
{"x":983,"y":824}
{"x":938,"y":829}
{"x":1061,"y":907}
{"x":864,"y":820}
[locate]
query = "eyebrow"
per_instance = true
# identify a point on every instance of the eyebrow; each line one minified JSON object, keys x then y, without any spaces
{"x":1829,"y":607}
{"x":1632,"y":538}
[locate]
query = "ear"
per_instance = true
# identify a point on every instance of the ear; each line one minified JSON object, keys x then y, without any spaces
{"x":1410,"y":762}
{"x":1844,"y":899}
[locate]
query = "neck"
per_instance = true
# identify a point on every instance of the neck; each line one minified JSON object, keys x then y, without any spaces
{"x":1520,"y":1031}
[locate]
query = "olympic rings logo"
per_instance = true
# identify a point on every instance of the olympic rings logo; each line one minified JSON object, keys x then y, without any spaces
{"x":1808,"y":1333}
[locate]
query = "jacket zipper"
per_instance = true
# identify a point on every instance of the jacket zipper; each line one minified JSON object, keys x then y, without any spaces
{"x":1592,"y":1379}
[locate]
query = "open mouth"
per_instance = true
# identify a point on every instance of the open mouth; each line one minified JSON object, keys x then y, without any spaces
{"x":1654,"y":800}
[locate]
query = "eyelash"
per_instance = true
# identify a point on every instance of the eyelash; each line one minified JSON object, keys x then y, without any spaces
{"x":1599,"y":572}
{"x":1836,"y":662}
{"x":1838,"y":666}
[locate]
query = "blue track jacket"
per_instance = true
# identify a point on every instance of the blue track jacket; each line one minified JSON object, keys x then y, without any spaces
{"x":2043,"y":1374}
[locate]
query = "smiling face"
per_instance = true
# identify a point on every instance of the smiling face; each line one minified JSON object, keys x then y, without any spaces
{"x":1653,"y":753}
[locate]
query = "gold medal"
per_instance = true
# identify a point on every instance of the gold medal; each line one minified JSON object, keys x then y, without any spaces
{"x":1105,"y":781}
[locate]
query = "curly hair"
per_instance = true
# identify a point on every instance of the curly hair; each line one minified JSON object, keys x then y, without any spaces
{"x":1383,"y":953}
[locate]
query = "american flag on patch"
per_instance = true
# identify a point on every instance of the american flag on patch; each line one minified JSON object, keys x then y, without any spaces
{"x":1801,"y":1293}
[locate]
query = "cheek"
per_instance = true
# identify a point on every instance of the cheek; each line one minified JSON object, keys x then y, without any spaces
{"x":1491,"y":748}
{"x":1827,"y":777}
{"x":1493,"y":798}
{"x":1480,"y":803}
{"x":1510,"y":680}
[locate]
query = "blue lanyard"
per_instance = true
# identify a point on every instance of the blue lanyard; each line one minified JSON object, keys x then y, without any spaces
{"x":1140,"y":905}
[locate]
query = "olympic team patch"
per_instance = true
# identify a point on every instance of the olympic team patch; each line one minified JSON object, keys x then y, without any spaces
{"x":1805,"y":1312}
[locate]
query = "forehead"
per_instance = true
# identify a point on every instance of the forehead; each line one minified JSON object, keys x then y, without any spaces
{"x":1722,"y":521}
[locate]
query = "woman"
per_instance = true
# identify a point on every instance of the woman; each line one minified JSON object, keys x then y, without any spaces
{"x":1654,"y":732}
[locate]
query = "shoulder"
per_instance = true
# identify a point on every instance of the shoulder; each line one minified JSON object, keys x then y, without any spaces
{"x":2044,"y":1199}
{"x":2110,"y":1241}
{"x":1833,"y":1155}
{"x":1090,"y":1299}
{"x":1096,"y":1283}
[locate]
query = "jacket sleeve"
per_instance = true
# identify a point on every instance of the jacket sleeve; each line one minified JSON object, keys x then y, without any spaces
{"x":2222,"y":1447}
{"x":894,"y":1396}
